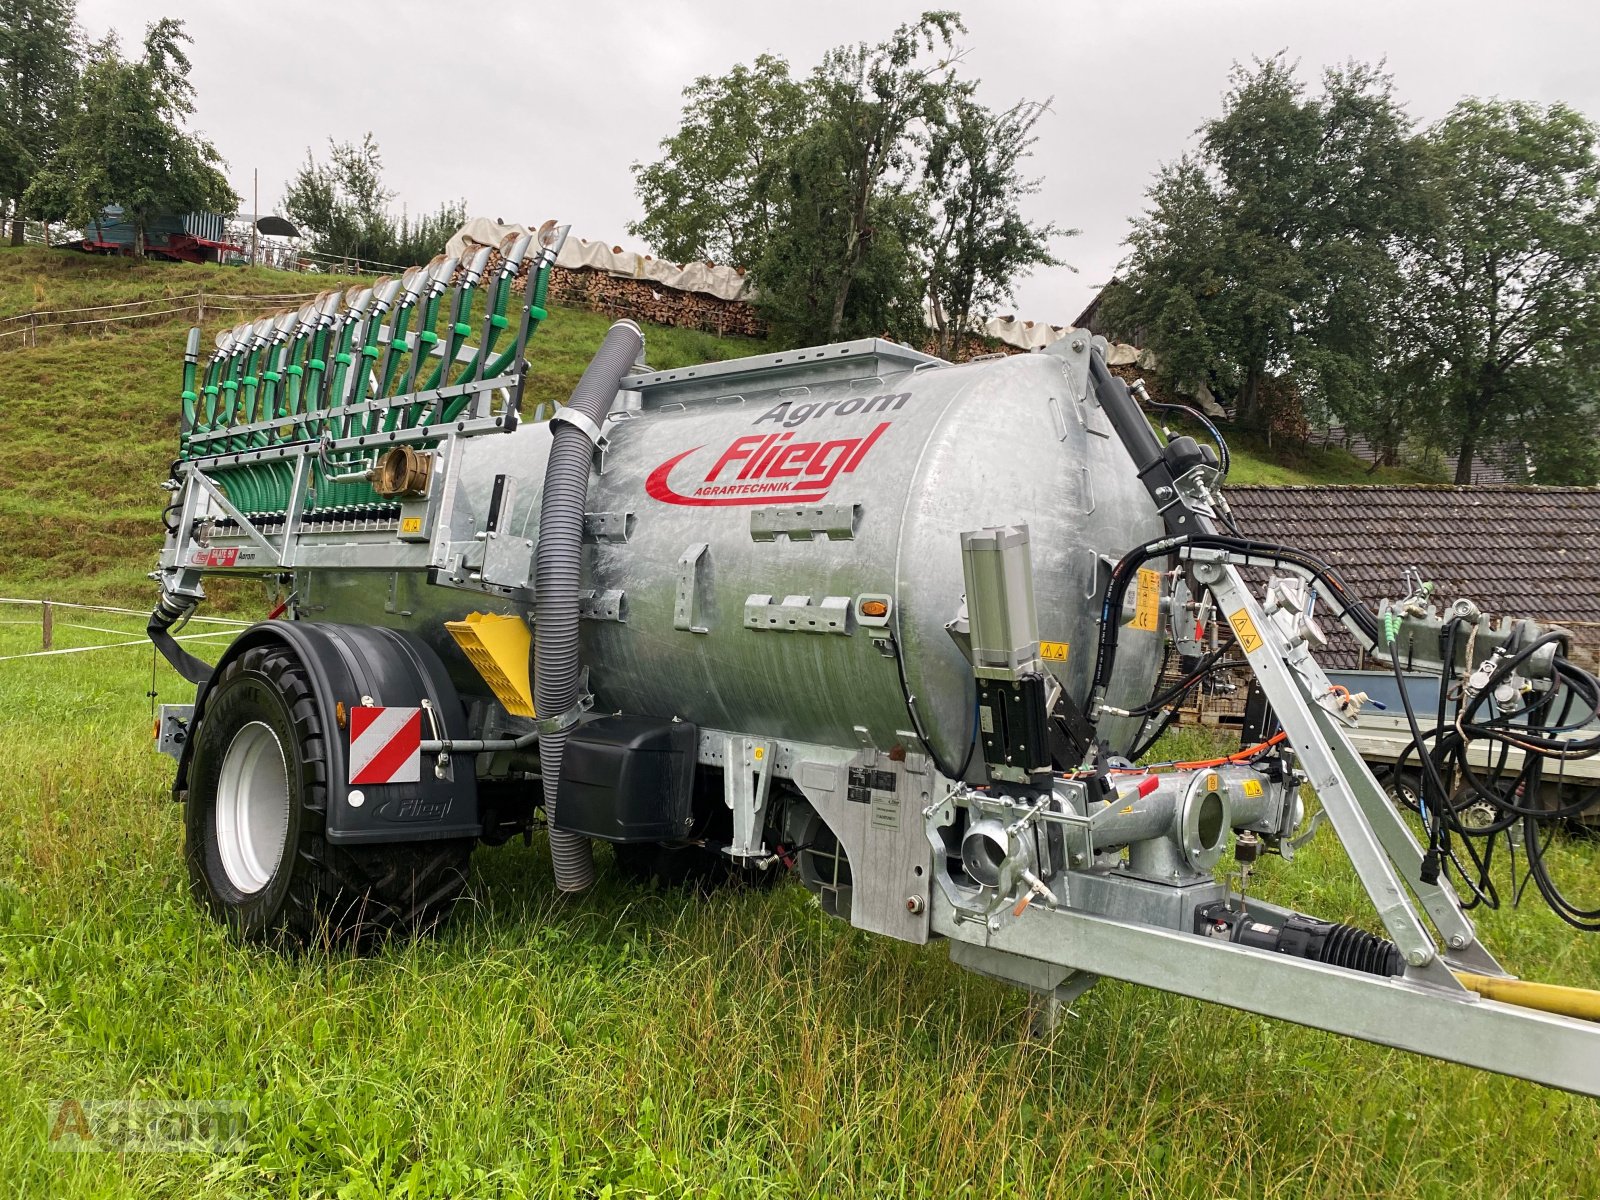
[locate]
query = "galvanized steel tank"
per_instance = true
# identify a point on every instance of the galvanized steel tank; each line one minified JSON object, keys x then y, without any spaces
{"x":748,"y":511}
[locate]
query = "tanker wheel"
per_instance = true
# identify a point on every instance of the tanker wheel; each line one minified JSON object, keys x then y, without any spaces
{"x":255,"y":816}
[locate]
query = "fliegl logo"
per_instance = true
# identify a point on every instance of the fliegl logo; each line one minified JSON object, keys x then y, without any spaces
{"x":773,"y":466}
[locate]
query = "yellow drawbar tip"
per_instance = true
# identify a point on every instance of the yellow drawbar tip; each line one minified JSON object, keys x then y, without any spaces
{"x":497,"y":646}
{"x":1547,"y":997}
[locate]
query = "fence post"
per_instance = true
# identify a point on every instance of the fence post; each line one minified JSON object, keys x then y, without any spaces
{"x":33,"y":329}
{"x":48,"y":622}
{"x":200,"y":307}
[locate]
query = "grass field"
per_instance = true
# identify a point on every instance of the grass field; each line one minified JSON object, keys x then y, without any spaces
{"x":637,"y":1044}
{"x":624,"y":1043}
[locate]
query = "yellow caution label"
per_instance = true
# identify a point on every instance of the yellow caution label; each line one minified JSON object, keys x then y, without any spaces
{"x":410,"y":524}
{"x":760,"y":752}
{"x":1213,"y":782}
{"x":1245,"y":630}
{"x":1252,"y":788}
{"x":1147,"y":601}
{"x":1054,"y":651}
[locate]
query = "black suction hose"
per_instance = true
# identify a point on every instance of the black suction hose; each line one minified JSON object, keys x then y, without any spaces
{"x":168,"y":612}
{"x":557,"y":570}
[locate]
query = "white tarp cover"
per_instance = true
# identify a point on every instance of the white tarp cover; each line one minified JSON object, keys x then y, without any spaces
{"x":580,"y":254}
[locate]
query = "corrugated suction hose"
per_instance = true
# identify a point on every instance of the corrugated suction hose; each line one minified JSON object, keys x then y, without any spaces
{"x":557,"y":569}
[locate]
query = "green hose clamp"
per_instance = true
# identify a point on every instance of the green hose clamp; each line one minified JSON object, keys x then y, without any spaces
{"x":210,"y":389}
{"x":189,"y":396}
{"x":230,"y":385}
{"x":537,"y":313}
{"x":342,"y":359}
{"x":271,"y":376}
{"x":498,"y":321}
{"x":402,"y":344}
{"x":462,"y":329}
{"x":316,"y":364}
{"x":293,"y":371}
{"x":369,"y":352}
{"x":251,"y":381}
{"x":428,"y":336}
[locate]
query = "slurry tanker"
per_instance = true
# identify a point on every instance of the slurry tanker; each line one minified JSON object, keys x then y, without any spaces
{"x":887,"y":623}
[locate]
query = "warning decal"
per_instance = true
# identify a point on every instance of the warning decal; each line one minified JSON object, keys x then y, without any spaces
{"x":1053,"y":651}
{"x":1147,"y":602}
{"x":1245,"y":630}
{"x":385,"y":745}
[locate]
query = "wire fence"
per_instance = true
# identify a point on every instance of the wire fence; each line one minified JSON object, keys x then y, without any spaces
{"x":27,"y":326}
{"x":49,"y":621}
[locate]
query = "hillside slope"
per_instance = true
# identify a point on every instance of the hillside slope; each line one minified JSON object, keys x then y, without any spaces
{"x":90,"y":418}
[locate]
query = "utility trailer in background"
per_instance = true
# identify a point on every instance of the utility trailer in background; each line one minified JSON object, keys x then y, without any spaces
{"x":1383,"y":736}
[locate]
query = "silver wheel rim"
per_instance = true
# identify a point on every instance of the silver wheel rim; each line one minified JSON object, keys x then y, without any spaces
{"x":252,"y":807}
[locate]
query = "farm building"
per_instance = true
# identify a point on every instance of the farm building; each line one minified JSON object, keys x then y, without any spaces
{"x":1532,"y":551}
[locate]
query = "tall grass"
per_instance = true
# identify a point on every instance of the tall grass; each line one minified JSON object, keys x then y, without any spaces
{"x":637,"y":1044}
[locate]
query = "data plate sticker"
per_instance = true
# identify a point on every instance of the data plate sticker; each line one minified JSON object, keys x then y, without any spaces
{"x":885,"y":811}
{"x":1147,"y":601}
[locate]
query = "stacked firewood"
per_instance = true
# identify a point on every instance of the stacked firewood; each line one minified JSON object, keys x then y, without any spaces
{"x":641,"y":300}
{"x":646,"y":300}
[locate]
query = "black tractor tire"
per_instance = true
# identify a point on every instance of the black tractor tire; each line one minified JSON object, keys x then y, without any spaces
{"x":289,"y":884}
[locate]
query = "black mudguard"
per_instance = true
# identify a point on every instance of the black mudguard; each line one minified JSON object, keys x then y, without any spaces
{"x":353,"y":665}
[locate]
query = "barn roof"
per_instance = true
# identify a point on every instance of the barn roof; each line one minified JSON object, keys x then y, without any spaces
{"x":1516,"y":550}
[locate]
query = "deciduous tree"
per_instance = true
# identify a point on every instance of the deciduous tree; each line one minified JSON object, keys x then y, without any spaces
{"x":717,"y":188}
{"x":39,"y":50}
{"x":1505,"y":286}
{"x":1272,"y":248}
{"x":126,"y":142}
{"x":981,"y":242}
{"x":344,"y":205}
{"x":853,"y":193}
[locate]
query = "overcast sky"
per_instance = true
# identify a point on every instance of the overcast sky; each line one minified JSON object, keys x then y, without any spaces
{"x":533,"y":110}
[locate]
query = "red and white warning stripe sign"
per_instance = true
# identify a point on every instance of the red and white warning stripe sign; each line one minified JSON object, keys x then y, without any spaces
{"x":385,"y":745}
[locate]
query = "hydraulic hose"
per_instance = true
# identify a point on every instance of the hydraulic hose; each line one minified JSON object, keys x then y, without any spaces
{"x":557,"y":569}
{"x":167,"y":613}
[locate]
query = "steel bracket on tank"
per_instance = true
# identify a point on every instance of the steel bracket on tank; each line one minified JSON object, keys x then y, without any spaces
{"x":608,"y":605}
{"x":796,"y":614}
{"x":608,"y":526}
{"x":686,"y":608}
{"x":836,"y":522}
{"x":746,"y":783}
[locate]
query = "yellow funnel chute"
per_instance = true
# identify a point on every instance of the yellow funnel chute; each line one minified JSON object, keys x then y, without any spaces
{"x":497,"y":646}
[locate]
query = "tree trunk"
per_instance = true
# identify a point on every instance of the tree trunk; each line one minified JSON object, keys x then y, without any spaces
{"x":852,"y":258}
{"x":1469,"y":448}
{"x":138,"y":239}
{"x":19,"y":225}
{"x":1248,"y":415}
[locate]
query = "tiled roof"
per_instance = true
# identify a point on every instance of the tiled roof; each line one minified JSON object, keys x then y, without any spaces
{"x":1516,"y":550}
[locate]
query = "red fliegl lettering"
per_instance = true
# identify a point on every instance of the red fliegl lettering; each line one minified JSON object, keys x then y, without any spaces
{"x":761,"y":468}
